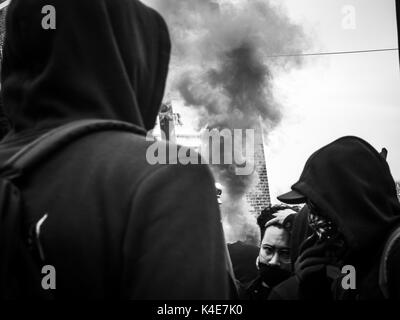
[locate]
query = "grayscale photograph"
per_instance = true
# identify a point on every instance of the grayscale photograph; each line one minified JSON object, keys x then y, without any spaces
{"x":203,"y":155}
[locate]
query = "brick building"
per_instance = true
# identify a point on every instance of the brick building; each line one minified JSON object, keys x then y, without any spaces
{"x":4,"y":125}
{"x":258,"y":197}
{"x":3,"y":12}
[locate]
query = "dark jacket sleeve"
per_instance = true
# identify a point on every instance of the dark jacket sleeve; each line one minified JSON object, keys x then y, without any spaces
{"x":287,"y":290}
{"x":174,"y":246}
{"x":394,"y":272}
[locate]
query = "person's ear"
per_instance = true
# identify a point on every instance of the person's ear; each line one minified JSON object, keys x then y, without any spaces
{"x":257,"y":261}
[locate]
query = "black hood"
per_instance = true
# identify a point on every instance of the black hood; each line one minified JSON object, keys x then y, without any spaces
{"x":106,"y":59}
{"x":350,"y":182}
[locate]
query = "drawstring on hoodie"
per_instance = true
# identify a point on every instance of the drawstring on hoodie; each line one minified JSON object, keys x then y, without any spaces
{"x":38,"y":243}
{"x":34,"y":239}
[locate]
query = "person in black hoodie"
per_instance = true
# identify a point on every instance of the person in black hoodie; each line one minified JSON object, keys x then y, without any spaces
{"x":116,"y":227}
{"x":353,"y":209}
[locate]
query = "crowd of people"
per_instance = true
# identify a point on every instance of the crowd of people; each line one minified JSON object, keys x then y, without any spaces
{"x":77,"y":193}
{"x":344,"y":243}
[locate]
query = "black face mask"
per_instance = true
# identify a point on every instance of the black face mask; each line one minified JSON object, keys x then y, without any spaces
{"x":272,"y":275}
{"x":326,"y":231}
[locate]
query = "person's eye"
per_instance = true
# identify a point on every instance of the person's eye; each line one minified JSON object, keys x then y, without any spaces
{"x":269,"y":250}
{"x":285,"y":254}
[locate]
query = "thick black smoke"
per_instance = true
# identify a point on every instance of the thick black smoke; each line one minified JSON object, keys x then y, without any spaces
{"x":235,"y":94}
{"x":221,"y":67}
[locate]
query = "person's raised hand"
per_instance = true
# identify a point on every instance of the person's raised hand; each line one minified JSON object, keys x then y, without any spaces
{"x":310,"y":269}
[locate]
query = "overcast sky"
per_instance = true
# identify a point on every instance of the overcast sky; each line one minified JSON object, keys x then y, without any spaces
{"x":335,"y":95}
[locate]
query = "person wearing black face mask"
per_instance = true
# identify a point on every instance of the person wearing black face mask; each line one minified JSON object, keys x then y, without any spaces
{"x":355,"y":221}
{"x":318,"y":268}
{"x":273,"y":262}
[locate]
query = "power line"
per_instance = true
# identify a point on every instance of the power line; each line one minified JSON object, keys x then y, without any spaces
{"x":6,"y":3}
{"x":330,"y":53}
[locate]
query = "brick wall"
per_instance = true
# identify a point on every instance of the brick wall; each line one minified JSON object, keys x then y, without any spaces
{"x":258,"y":197}
{"x":4,"y":124}
{"x":2,"y":28}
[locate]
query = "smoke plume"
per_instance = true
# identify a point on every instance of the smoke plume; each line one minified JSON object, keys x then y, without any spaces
{"x":222,"y":67}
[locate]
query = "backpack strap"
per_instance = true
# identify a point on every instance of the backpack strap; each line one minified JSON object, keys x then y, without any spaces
{"x":383,"y":268}
{"x":52,"y":141}
{"x":19,"y":274}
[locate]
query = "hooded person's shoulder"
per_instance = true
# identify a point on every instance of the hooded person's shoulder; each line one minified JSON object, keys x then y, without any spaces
{"x":135,"y":156}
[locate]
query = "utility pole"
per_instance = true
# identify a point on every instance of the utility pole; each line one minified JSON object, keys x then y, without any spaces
{"x":167,"y":123}
{"x":4,"y":4}
{"x":168,"y":120}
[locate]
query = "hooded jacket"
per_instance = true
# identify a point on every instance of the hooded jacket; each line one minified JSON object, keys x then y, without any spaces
{"x":117,"y":226}
{"x":351,"y":183}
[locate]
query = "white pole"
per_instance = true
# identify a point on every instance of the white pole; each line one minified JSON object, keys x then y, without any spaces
{"x":4,"y":4}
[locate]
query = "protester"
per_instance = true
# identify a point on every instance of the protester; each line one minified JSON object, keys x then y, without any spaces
{"x":111,"y":224}
{"x":288,"y":289}
{"x":351,"y":195}
{"x":273,"y":261}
